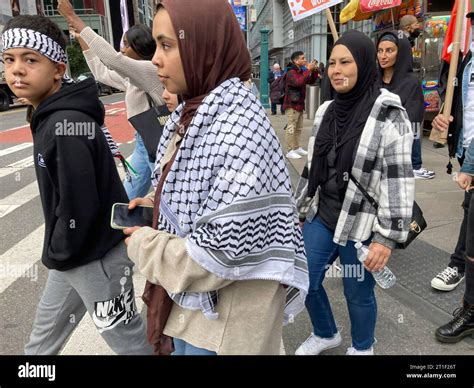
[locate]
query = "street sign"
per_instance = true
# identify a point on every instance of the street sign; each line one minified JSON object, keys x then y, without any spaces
{"x":301,"y":9}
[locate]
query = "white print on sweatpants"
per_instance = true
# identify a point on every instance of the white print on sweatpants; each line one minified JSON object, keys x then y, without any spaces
{"x":109,"y":313}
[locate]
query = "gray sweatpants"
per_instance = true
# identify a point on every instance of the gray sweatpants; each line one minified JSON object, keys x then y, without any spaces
{"x":104,"y":288}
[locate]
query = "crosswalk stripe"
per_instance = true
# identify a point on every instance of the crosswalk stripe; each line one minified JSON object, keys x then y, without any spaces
{"x":16,"y":148}
{"x":5,"y":171}
{"x":20,"y":259}
{"x":23,"y":163}
{"x":15,"y":128}
{"x":18,"y":198}
{"x":17,"y":166}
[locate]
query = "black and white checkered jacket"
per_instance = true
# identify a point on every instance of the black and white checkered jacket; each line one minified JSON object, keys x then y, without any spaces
{"x":382,"y":165}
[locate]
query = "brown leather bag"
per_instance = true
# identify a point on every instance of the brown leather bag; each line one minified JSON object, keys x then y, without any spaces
{"x":159,"y":306}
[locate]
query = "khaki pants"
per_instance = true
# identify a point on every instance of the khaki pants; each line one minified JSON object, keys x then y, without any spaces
{"x":293,"y":129}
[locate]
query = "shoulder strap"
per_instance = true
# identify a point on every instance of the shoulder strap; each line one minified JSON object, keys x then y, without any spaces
{"x":150,"y":100}
{"x":371,"y":200}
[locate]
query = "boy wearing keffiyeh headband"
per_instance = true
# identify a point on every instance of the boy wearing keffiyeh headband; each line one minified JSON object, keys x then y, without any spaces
{"x":78,"y":183}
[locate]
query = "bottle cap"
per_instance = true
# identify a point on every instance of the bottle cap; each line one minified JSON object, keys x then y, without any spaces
{"x":358,"y":245}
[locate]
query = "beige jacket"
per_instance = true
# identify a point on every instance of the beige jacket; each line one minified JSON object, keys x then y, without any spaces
{"x":250,"y":312}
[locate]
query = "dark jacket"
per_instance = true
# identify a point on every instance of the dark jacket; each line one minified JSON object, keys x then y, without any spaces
{"x":457,"y":110}
{"x":275,"y":91}
{"x":295,"y":87}
{"x":77,"y":177}
{"x":274,"y":83}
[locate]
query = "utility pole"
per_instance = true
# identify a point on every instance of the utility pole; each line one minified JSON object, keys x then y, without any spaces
{"x":264,"y":68}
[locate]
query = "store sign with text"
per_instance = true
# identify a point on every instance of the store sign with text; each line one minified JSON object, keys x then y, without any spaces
{"x":378,"y":5}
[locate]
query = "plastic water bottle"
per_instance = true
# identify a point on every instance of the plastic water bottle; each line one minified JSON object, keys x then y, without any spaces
{"x":384,"y":277}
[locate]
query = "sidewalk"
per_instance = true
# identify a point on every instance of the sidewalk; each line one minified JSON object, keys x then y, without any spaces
{"x":408,"y":313}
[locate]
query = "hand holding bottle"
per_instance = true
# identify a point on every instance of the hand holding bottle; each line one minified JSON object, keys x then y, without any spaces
{"x":377,"y":257}
{"x":384,"y":277}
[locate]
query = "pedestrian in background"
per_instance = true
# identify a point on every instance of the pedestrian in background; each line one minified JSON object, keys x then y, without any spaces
{"x":462,"y":325}
{"x":395,"y":65}
{"x":299,"y":74}
{"x":275,"y":96}
{"x":411,"y":28}
{"x":460,"y":128}
{"x":131,"y":71}
{"x":321,"y":71}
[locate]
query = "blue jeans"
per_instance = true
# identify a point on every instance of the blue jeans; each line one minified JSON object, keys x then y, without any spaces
{"x":183,"y":348}
{"x":139,"y":186}
{"x":416,"y":154}
{"x":358,"y":290}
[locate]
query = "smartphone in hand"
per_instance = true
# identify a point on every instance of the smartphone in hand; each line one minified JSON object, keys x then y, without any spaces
{"x":122,"y":217}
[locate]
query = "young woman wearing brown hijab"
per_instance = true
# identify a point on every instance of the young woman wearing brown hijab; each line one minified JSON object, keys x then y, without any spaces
{"x":225,"y":245}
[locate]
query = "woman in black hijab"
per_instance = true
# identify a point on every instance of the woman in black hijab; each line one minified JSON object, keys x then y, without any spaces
{"x":395,"y":65}
{"x":362,"y":138}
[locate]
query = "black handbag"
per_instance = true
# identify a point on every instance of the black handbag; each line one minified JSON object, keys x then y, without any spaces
{"x":417,"y":225}
{"x":149,"y":125}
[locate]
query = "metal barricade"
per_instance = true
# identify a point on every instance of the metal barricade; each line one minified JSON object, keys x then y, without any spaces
{"x":312,"y":101}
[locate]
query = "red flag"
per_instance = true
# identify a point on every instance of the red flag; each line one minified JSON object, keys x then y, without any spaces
{"x":465,"y":33}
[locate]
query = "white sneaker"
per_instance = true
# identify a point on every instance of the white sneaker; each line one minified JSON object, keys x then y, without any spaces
{"x":354,"y":352}
{"x":315,"y":345}
{"x":293,"y":155}
{"x":448,"y":279}
{"x":423,"y":173}
{"x":301,"y":151}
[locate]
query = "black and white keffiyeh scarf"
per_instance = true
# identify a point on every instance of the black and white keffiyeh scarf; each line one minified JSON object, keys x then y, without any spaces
{"x":229,"y":194}
{"x":34,"y":40}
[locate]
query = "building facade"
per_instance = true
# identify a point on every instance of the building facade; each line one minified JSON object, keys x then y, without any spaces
{"x":144,"y":11}
{"x":104,"y":16}
{"x":93,"y":12}
{"x":310,"y":35}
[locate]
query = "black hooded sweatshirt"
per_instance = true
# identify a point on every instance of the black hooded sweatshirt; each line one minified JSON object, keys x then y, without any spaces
{"x":77,"y":177}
